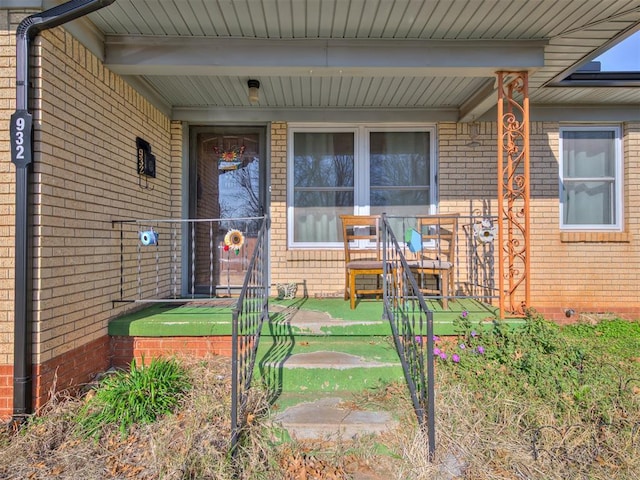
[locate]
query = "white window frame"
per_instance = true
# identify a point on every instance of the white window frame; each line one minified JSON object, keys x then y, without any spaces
{"x":618,"y":183}
{"x":361,"y":181}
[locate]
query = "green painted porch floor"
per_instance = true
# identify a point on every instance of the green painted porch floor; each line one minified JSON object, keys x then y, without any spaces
{"x":305,"y":316}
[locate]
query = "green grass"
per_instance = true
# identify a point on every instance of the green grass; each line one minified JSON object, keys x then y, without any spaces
{"x":139,"y":396}
{"x":572,"y":392}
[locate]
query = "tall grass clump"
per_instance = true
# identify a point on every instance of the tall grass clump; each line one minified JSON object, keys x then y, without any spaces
{"x":568,"y":399}
{"x":138,"y":396}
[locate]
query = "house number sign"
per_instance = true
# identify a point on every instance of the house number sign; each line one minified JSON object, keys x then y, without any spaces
{"x":20,"y":132}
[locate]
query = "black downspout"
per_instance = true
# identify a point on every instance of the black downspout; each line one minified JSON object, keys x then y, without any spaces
{"x":21,"y":156}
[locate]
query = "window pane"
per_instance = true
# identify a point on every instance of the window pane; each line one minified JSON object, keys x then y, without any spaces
{"x":323,"y":176}
{"x":399,"y":158}
{"x":589,"y":203}
{"x":589,"y":154}
{"x":329,"y":178}
{"x":396,"y":197}
{"x":590,"y":177}
{"x":323,"y":159}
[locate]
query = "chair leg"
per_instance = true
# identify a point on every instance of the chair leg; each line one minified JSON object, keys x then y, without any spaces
{"x":444,"y":282}
{"x":452,"y":288}
{"x":346,"y":285}
{"x":352,"y":290}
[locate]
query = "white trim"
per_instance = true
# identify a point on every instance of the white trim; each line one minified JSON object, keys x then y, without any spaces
{"x":618,"y":180}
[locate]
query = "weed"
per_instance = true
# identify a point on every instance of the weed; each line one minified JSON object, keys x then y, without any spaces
{"x":573,"y":399}
{"x":138,"y":396}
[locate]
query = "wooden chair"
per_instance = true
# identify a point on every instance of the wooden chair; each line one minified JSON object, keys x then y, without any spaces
{"x":436,"y":255}
{"x":362,"y":255}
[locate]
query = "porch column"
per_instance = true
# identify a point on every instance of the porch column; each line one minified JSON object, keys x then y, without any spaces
{"x":513,"y":192}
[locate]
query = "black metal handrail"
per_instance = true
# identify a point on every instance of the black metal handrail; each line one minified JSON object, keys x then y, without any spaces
{"x":249,"y":315}
{"x":412,"y":326}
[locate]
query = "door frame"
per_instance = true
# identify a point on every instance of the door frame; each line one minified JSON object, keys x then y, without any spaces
{"x":189,"y":181}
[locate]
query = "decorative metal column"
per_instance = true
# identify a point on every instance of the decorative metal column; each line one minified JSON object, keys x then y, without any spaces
{"x":513,"y":192}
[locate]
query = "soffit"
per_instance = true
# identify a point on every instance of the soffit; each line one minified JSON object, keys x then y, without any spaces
{"x":169,"y":46}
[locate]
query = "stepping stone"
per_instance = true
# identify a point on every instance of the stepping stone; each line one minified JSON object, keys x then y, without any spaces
{"x":325,"y":419}
{"x":333,"y":360}
{"x":317,"y":323}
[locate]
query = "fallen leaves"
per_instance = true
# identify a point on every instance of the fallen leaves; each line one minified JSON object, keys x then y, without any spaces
{"x":306,"y":466}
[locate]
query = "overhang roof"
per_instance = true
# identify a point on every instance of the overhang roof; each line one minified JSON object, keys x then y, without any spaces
{"x":429,"y":59}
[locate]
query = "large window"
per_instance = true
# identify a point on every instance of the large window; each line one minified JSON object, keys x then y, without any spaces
{"x":356,"y":170}
{"x":590,"y":178}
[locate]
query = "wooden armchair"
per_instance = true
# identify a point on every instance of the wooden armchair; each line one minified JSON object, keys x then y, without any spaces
{"x":436,"y":256}
{"x":362,"y":255}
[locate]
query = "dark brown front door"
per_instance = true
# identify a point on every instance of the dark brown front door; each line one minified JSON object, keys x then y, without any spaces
{"x":229,"y":191}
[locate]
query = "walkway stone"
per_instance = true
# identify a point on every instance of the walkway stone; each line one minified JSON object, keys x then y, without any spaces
{"x":327,"y":419}
{"x":333,"y":360}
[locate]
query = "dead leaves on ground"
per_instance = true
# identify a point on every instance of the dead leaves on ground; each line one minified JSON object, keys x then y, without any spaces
{"x":308,"y":466}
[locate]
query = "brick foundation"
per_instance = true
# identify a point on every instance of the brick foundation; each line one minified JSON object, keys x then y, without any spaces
{"x":6,"y":391}
{"x":124,"y":349}
{"x":70,"y":370}
{"x":586,"y":313}
{"x":64,"y":373}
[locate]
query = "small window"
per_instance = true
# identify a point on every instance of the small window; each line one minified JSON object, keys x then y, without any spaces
{"x":590,"y":178}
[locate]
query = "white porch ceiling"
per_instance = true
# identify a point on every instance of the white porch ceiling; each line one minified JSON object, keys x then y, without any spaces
{"x":424,"y":56}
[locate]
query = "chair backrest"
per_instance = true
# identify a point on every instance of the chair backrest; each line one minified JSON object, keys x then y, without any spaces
{"x":439,"y":234}
{"x":360,"y":233}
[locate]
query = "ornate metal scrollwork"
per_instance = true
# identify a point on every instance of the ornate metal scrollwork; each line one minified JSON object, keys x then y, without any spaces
{"x":513,"y":191}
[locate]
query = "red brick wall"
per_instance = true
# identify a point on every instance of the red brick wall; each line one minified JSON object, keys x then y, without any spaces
{"x":65,"y":372}
{"x":6,"y":391}
{"x":124,"y":349}
{"x":69,"y":370}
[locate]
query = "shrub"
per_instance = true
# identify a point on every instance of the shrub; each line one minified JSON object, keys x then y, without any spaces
{"x":139,"y":396}
{"x":537,"y":361}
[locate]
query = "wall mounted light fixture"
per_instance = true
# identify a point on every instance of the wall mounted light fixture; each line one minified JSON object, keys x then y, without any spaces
{"x":473,"y":135}
{"x":254,"y":90}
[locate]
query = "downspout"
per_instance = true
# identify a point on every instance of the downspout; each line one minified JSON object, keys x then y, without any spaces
{"x":21,"y":156}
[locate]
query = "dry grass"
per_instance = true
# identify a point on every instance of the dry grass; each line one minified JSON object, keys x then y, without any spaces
{"x":479,"y":437}
{"x":193,"y":443}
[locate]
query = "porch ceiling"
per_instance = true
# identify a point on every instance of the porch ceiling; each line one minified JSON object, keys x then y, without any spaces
{"x":434,"y":57}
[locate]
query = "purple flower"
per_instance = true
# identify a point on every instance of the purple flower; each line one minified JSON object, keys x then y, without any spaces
{"x":455,"y":358}
{"x":464,"y":314}
{"x":462,"y":346}
{"x":436,"y":338}
{"x":474,"y":334}
{"x":480,"y":349}
{"x":436,"y":351}
{"x":418,"y":339}
{"x":443,"y":355}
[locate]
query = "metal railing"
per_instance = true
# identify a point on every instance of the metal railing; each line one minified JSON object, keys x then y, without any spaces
{"x":412,"y":326}
{"x":249,"y":315}
{"x":172,"y":260}
{"x":224,"y":257}
{"x":475,"y":256}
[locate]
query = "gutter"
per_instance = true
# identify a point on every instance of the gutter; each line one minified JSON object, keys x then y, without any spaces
{"x":22,"y":156}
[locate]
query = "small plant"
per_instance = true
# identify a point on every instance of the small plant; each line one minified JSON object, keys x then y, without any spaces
{"x":138,"y":396}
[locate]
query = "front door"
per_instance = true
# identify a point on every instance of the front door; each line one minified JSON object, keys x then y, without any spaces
{"x":228,"y":178}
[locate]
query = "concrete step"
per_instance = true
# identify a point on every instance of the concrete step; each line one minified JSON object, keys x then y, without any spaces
{"x":328,"y":364}
{"x":317,"y":377}
{"x":330,"y":418}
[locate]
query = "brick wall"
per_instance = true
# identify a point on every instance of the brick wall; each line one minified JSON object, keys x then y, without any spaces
{"x":587,"y":272}
{"x":86,"y":120}
{"x":6,"y":391}
{"x":322,"y":271}
{"x":144,"y":349}
{"x":86,"y":171}
{"x":66,"y":372}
